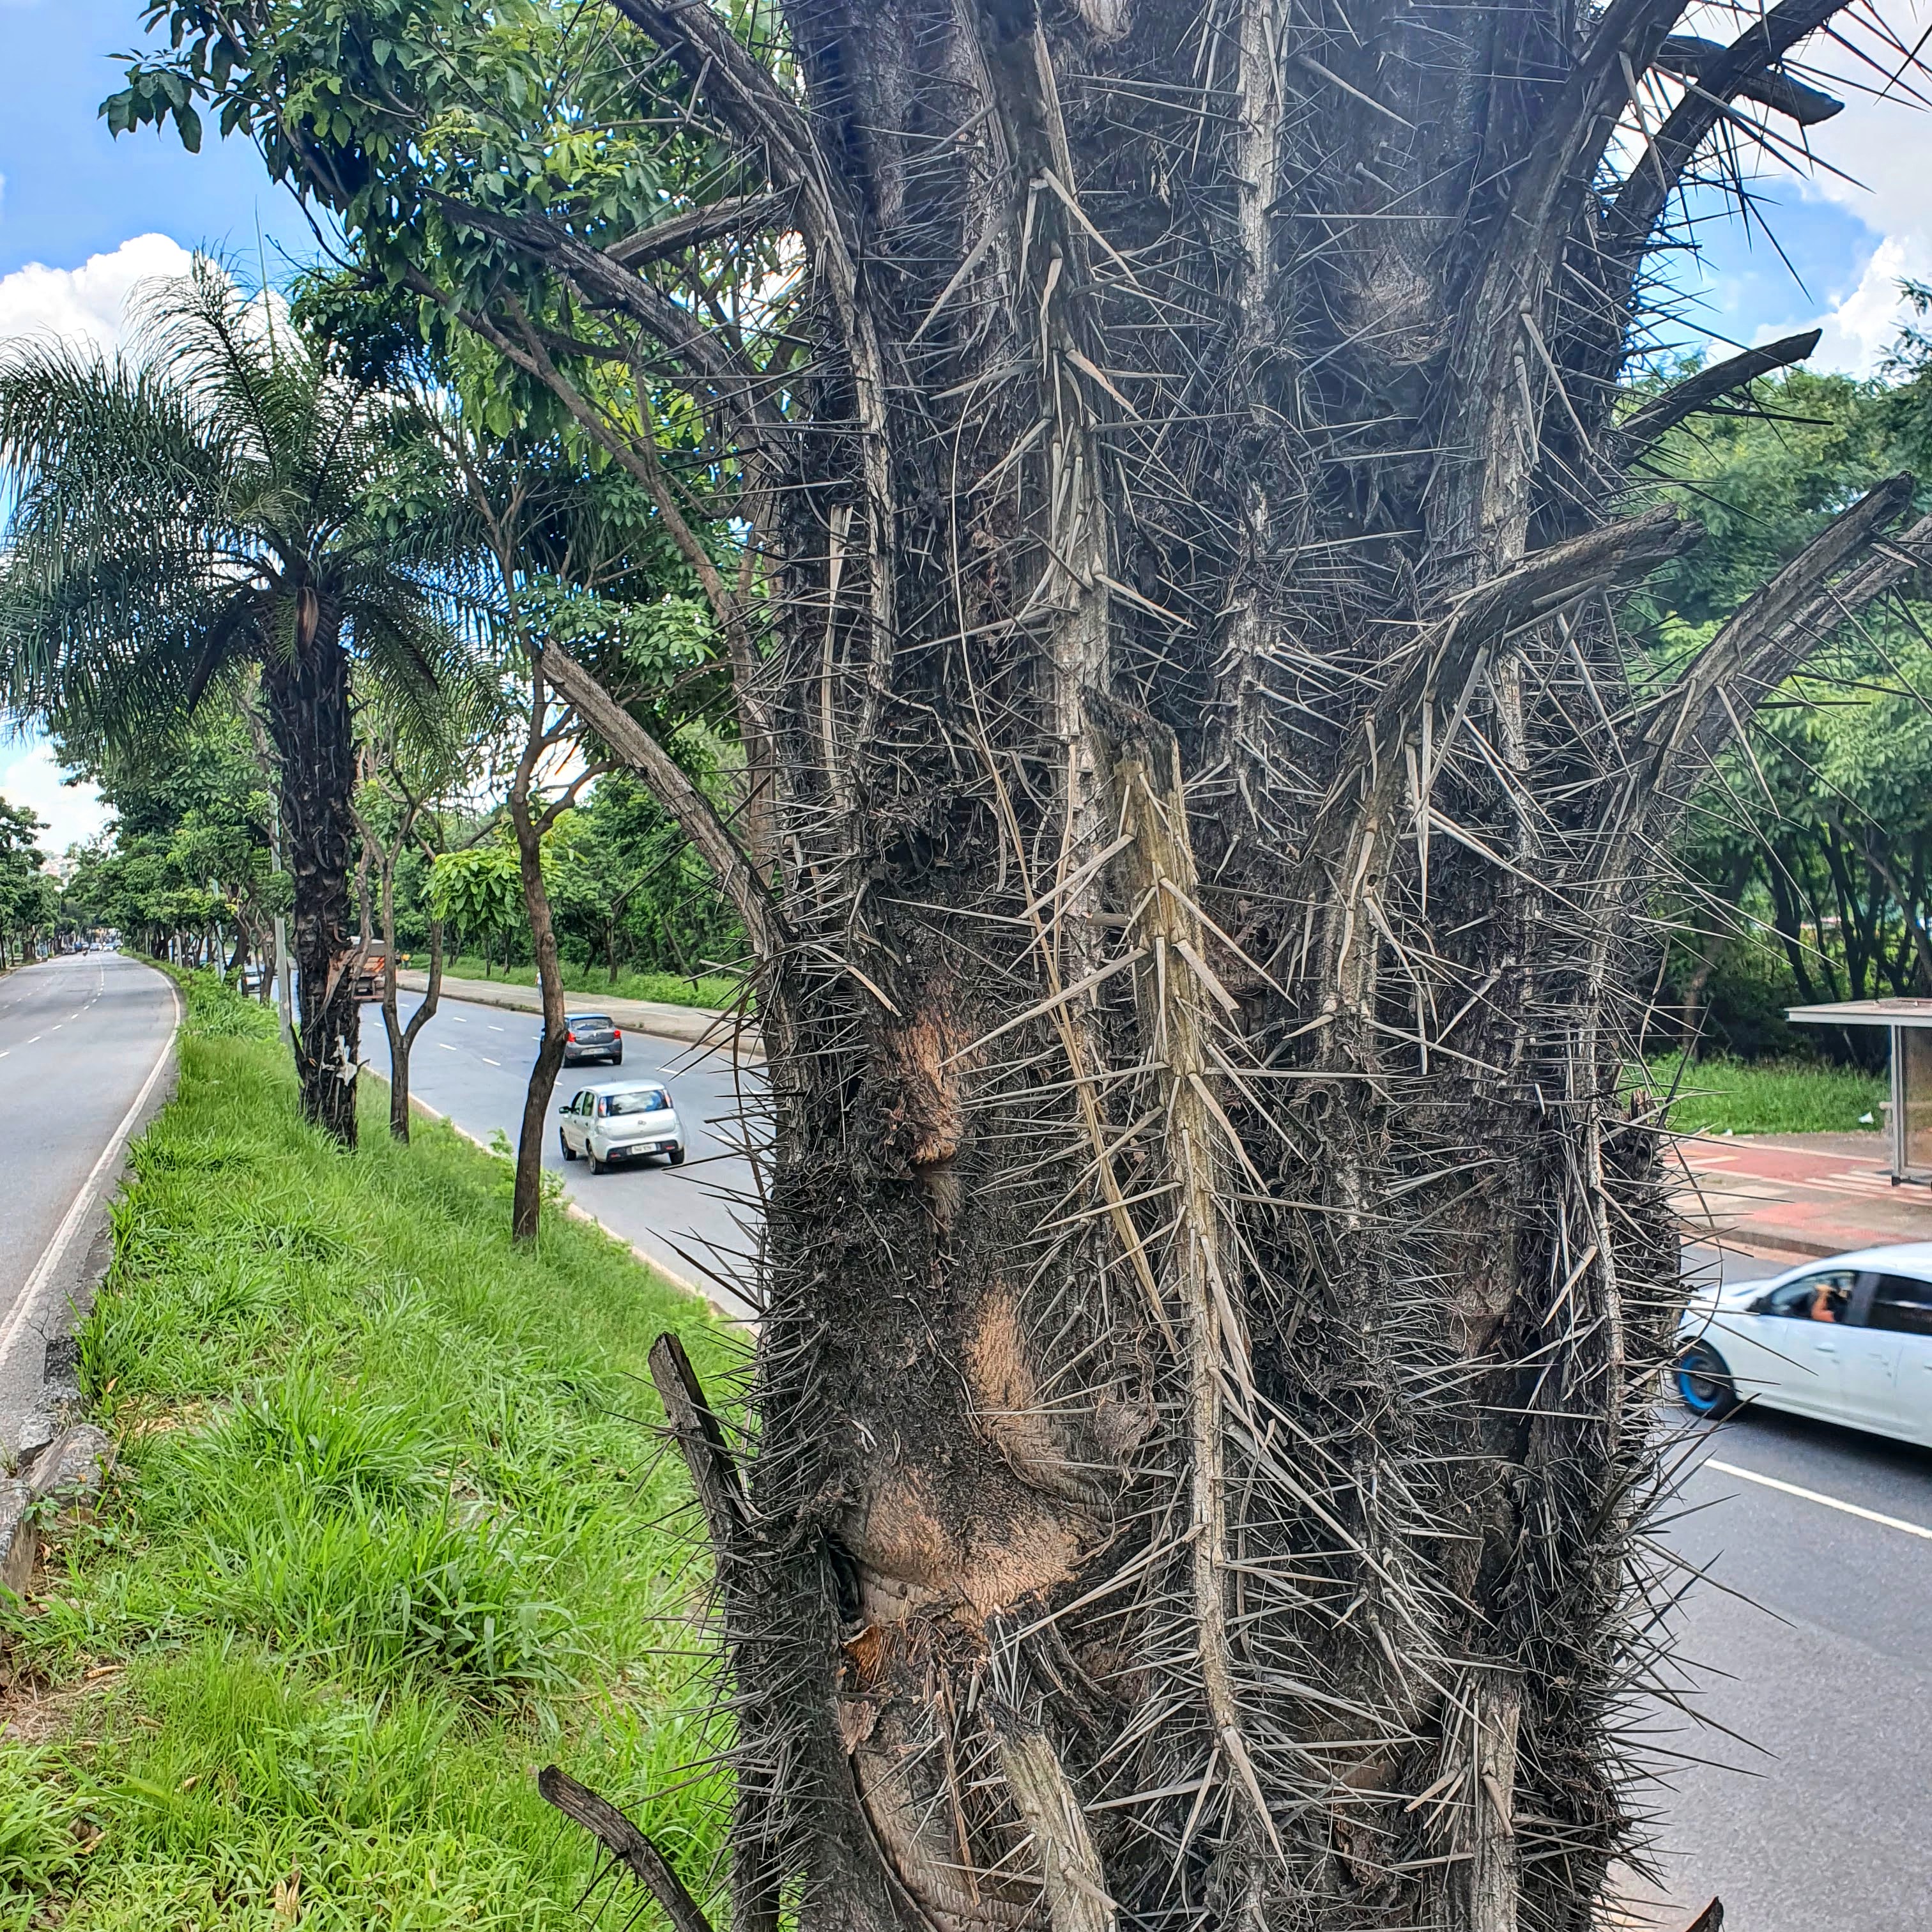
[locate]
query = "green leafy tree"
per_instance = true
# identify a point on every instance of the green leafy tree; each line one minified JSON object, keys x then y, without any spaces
{"x":195,"y":509}
{"x":29,"y":896}
{"x":1804,"y":865}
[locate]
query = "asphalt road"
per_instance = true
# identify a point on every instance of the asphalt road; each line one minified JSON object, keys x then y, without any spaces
{"x":1811,"y":1647}
{"x":1799,"y":1795}
{"x":471,"y":1063}
{"x":83,"y":1040}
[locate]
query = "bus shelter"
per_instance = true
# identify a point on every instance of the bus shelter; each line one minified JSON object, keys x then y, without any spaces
{"x":1909,"y":1024}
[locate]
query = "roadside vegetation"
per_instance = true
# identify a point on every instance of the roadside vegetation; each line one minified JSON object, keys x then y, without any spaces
{"x":389,"y":1527}
{"x":1719,"y":1095}
{"x":714,"y":991}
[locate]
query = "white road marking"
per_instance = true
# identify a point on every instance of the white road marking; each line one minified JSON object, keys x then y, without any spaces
{"x":492,"y":1025}
{"x":459,"y":1019}
{"x":488,"y":1061}
{"x":1814,"y":1496}
{"x":30,"y":1042}
{"x":445,"y":1045}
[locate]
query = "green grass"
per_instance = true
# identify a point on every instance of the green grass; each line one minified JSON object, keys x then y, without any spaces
{"x":714,"y":990}
{"x":1776,"y":1096}
{"x":387,"y":1529}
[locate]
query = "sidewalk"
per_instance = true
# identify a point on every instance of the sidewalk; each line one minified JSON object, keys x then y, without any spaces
{"x":1798,"y":1194}
{"x":692,"y":1026}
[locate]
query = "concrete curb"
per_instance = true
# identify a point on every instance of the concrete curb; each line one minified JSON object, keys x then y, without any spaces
{"x":689,"y":1026}
{"x":68,"y":1472}
{"x":577,"y":1212}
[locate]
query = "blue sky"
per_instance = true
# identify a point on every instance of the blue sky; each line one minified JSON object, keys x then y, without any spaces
{"x":83,"y":217}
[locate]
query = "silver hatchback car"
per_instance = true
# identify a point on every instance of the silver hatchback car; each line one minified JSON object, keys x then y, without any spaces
{"x":620,"y":1120}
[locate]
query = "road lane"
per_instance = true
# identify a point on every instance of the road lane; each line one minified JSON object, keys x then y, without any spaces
{"x":1815,"y":1655}
{"x":80,"y":1037}
{"x":472,"y":1063}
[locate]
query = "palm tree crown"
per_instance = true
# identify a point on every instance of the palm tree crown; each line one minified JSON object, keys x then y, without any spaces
{"x":208,"y":499}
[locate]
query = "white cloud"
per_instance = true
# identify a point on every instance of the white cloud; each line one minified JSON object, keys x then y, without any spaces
{"x":85,"y":306}
{"x":1884,"y":146}
{"x":74,"y":814}
{"x":1861,"y":328}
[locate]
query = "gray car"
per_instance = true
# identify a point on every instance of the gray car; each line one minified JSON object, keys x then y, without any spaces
{"x":619,"y":1121}
{"x":591,"y":1037}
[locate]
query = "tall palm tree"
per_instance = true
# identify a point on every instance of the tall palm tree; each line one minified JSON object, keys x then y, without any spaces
{"x":199,"y":503}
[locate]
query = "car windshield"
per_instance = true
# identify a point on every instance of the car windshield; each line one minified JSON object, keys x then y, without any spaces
{"x":633,"y":1100}
{"x":589,"y":1019}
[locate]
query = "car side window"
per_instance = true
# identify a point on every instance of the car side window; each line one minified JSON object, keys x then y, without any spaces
{"x":1903,"y":1304}
{"x":1825,"y":1296}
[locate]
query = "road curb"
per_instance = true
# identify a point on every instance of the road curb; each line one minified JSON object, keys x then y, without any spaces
{"x":685,"y":1026}
{"x":577,"y":1212}
{"x":69,"y":1471}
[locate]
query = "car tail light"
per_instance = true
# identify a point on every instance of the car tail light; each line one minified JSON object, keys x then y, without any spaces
{"x":570,"y":1037}
{"x":616,"y":1032}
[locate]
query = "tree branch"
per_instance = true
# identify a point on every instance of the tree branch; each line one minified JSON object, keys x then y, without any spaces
{"x":673,"y":789}
{"x":1700,"y":391}
{"x":1641,"y":199}
{"x":1619,"y":553}
{"x":740,"y":92}
{"x":697,"y":225}
{"x":626,"y":1844}
{"x":1775,"y":630}
{"x":714,"y":1473}
{"x":740,"y":388}
{"x":1686,"y":55}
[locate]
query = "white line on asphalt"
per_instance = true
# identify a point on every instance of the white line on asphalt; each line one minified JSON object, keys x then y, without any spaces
{"x":493,"y":1026}
{"x":1812,"y":1496}
{"x":56,"y":1250}
{"x":30,"y":1042}
{"x":445,"y":1045}
{"x":488,"y":1061}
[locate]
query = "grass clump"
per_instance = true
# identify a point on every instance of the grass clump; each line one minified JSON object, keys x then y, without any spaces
{"x":387,"y":1527}
{"x":1770,"y":1096}
{"x":714,"y":991}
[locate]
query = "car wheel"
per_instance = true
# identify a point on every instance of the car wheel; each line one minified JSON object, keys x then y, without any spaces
{"x":596,"y":1165}
{"x":1704,"y":1383}
{"x":563,"y":1141}
{"x":617,"y":1058}
{"x":677,"y":1156}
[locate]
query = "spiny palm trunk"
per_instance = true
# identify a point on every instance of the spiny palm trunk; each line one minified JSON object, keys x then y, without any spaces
{"x":306,"y":697}
{"x":1215,"y":1284}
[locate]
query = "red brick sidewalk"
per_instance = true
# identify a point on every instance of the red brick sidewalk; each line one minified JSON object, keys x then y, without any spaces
{"x":1798,"y":1194}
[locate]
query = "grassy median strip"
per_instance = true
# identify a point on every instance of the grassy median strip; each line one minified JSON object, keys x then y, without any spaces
{"x":389,"y":1526}
{"x":587,"y":984}
{"x":1768,"y":1097}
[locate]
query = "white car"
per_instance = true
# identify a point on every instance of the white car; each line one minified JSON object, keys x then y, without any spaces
{"x":1848,"y":1340}
{"x":620,"y":1120}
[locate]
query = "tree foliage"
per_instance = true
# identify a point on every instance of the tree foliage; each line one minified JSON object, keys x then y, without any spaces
{"x":1807,"y":859}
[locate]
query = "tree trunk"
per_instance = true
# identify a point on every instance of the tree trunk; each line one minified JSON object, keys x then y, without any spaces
{"x":403,"y":1039}
{"x":306,"y":696}
{"x":526,"y":1205}
{"x":1214,"y":1298}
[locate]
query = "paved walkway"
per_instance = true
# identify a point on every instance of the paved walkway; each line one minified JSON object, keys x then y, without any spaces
{"x":1799,"y":1194}
{"x":690,"y":1024}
